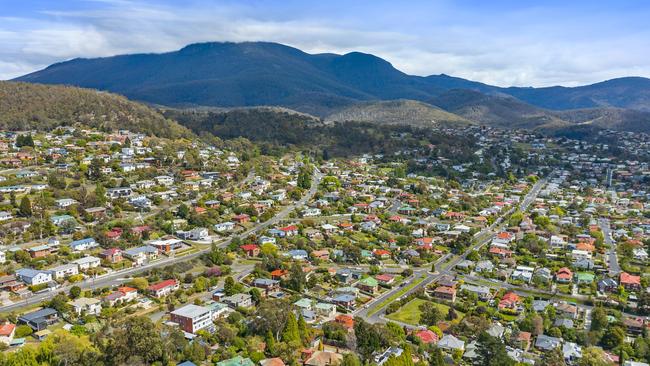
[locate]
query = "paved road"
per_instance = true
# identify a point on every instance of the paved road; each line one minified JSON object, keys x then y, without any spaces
{"x":614,"y":268}
{"x":120,"y":277}
{"x":444,"y":267}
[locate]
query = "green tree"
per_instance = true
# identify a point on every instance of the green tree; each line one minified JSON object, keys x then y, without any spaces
{"x":614,"y":336}
{"x":75,"y":292}
{"x":437,"y":358}
{"x":553,"y":358}
{"x":430,"y":314}
{"x":297,"y":278}
{"x":491,"y":351}
{"x":100,"y":195}
{"x":134,"y":339}
{"x":599,"y":319}
{"x":25,"y":209}
{"x":291,"y":334}
{"x":350,"y":359}
{"x":592,"y":356}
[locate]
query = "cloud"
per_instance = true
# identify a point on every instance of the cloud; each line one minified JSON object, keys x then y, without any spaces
{"x":518,"y":46}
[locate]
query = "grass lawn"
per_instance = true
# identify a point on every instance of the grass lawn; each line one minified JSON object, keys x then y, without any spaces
{"x":396,"y":295}
{"x":410,"y":313}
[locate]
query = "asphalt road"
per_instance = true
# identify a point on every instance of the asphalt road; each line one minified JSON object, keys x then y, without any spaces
{"x":614,"y":268}
{"x":120,"y":277}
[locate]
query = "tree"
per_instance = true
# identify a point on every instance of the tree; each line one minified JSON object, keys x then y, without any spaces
{"x":599,"y":319}
{"x":491,"y":351}
{"x":291,"y":334}
{"x":60,"y":303}
{"x":135,"y":338}
{"x":553,"y":358}
{"x":75,"y":292}
{"x":437,"y":358}
{"x":297,"y":278}
{"x":25,"y":209}
{"x":592,"y":356}
{"x":140,"y":283}
{"x":430,"y":314}
{"x":230,"y":287}
{"x":256,"y":295}
{"x":270,"y":343}
{"x":614,"y":336}
{"x":100,"y":195}
{"x":350,"y":359}
{"x":95,"y":169}
{"x":368,"y":338}
{"x":183,"y":211}
{"x":271,"y":316}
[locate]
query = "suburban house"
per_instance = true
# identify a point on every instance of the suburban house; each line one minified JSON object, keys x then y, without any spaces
{"x":112,"y":255}
{"x":445,"y":293}
{"x":85,"y":305}
{"x":238,"y":300}
{"x":88,"y":262}
{"x":64,"y":270}
{"x":33,"y":276}
{"x":123,"y":294}
{"x":39,"y":319}
{"x":40,"y":251}
{"x":163,"y":288}
{"x":7,"y":331}
{"x":83,"y":244}
{"x":141,"y":255}
{"x":192,"y":318}
{"x":630,"y":282}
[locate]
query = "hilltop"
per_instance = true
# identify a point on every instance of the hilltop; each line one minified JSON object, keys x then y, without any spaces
{"x":26,"y":106}
{"x":398,"y":112}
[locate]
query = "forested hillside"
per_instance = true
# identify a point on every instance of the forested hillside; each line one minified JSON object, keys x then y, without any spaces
{"x":25,"y":106}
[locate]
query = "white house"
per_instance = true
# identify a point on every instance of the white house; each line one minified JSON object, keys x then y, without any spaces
{"x":64,"y":270}
{"x":224,"y":226}
{"x":87,"y":262}
{"x":88,"y":306}
{"x":33,"y":276}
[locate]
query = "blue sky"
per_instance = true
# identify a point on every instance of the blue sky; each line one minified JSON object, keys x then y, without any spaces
{"x":523,"y":43}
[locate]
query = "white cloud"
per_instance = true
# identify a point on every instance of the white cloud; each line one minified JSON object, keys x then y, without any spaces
{"x":537,"y":54}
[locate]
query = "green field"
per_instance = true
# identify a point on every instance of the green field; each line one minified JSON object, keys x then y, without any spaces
{"x":410,"y":313}
{"x":396,"y":295}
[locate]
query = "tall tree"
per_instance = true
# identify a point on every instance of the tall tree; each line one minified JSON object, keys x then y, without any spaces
{"x":291,"y":334}
{"x":492,"y":352}
{"x":25,"y":209}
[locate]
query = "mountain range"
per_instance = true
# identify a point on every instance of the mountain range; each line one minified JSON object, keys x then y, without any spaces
{"x":346,"y":86}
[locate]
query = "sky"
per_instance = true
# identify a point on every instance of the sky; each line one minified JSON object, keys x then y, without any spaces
{"x":500,"y":42}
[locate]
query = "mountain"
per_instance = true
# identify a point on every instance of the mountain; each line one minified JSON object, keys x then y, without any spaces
{"x":397,"y":112}
{"x":496,"y":111}
{"x":26,"y":106}
{"x":261,"y":73}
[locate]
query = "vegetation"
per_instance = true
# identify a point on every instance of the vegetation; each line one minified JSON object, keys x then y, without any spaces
{"x":26,"y":106}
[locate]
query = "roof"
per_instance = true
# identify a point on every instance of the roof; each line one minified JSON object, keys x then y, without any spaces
{"x":449,"y":341}
{"x":38,"y":314}
{"x":369,"y":281}
{"x":162,"y":284}
{"x":236,"y":361}
{"x":7,"y":329}
{"x":427,"y":336}
{"x":191,"y":311}
{"x":272,"y":362}
{"x":83,"y":301}
{"x":627,"y":278}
